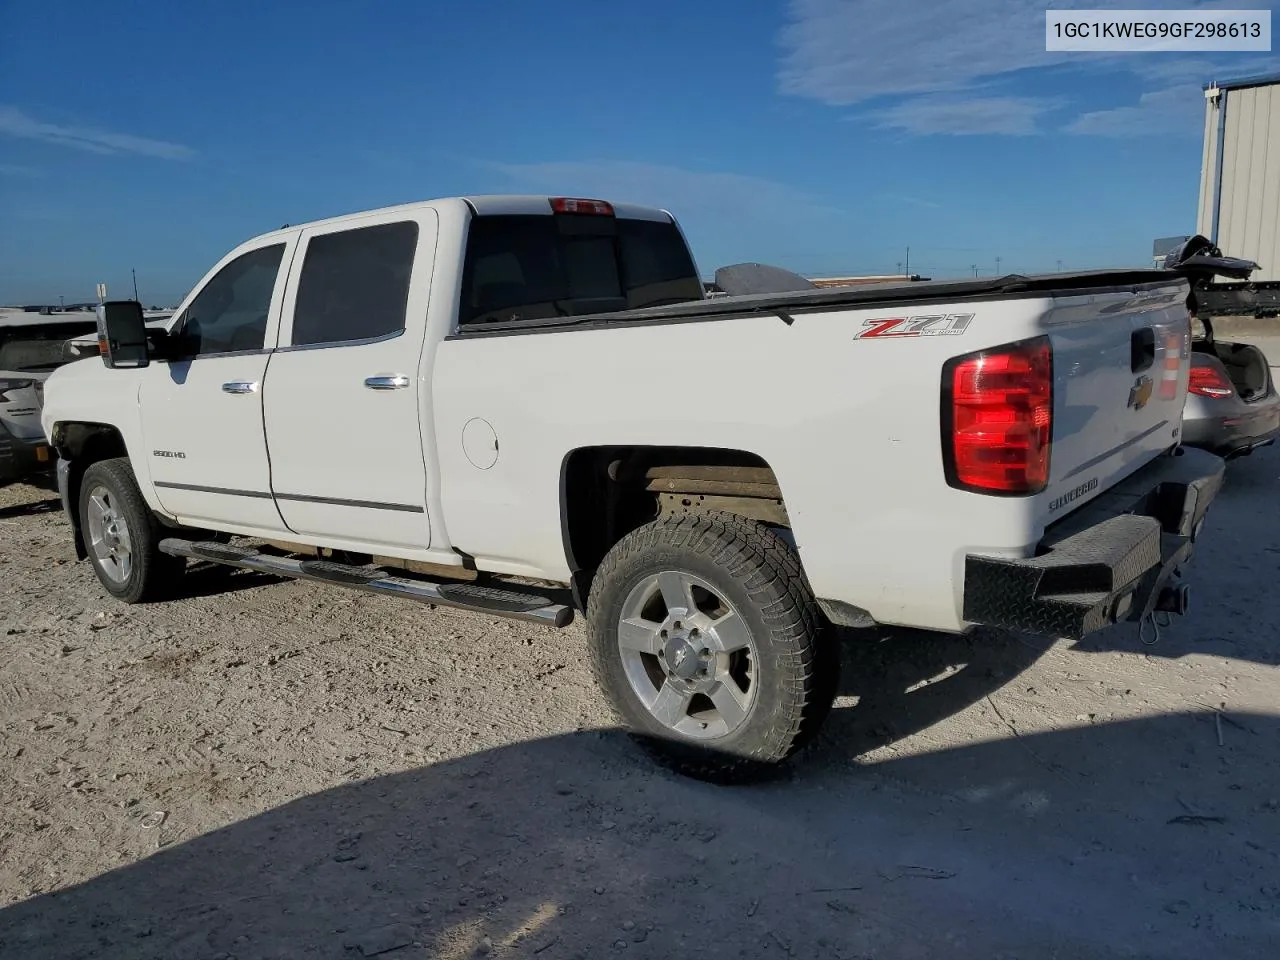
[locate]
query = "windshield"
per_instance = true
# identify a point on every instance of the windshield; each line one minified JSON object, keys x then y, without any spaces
{"x":528,"y":267}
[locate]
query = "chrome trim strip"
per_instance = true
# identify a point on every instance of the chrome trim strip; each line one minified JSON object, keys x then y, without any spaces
{"x":294,"y":497}
{"x":197,"y":488}
{"x":328,"y":344}
{"x":338,"y":502}
{"x":260,"y":352}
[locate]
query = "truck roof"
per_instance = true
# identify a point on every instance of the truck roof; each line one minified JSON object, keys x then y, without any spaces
{"x":483,"y":205}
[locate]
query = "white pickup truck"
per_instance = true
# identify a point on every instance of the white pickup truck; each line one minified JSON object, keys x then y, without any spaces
{"x":446,"y":400}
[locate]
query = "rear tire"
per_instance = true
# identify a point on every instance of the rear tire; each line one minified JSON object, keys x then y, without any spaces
{"x":708,"y":642}
{"x":122,"y":536}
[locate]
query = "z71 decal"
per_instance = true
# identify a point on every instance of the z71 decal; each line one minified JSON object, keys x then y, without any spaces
{"x":940,"y":325}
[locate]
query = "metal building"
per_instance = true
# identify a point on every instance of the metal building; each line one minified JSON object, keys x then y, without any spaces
{"x":1240,"y":175}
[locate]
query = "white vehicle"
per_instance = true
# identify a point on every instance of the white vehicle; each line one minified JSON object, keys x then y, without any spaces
{"x":443,"y":400}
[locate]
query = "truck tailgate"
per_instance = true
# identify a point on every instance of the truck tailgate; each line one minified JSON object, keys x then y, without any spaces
{"x":1121,"y":363}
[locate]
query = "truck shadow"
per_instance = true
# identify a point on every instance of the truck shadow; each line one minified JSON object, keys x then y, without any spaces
{"x":40,"y":495}
{"x":30,"y":508}
{"x":906,"y":681}
{"x":215,"y":579}
{"x":1133,"y":838}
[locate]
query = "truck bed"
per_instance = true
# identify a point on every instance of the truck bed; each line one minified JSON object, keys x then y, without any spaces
{"x":868,"y":295}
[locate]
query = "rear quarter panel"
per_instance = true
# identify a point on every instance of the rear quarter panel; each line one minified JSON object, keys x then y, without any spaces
{"x":849,"y":424}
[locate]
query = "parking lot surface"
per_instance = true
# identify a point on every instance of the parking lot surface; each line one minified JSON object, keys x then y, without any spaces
{"x":268,"y":768}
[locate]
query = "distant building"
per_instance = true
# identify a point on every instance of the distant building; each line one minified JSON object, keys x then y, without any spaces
{"x":1240,"y":174}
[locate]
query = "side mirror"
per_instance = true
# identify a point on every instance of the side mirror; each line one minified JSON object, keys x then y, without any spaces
{"x":122,"y":334}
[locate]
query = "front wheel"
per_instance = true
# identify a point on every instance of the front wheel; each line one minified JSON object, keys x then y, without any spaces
{"x":709,"y":644}
{"x":122,"y":536}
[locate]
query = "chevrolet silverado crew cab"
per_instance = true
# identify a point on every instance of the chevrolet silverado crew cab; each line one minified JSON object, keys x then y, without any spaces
{"x":527,"y":406}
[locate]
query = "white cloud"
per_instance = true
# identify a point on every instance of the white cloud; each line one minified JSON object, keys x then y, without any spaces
{"x":1010,"y":116}
{"x":16,"y":170}
{"x":843,"y":52}
{"x":919,"y":202}
{"x":685,"y":192}
{"x":1201,"y":69}
{"x":1177,"y":110}
{"x":15,"y":123}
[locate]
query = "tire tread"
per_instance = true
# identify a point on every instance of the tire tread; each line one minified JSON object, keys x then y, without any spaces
{"x":157,"y":572}
{"x":771,"y":574}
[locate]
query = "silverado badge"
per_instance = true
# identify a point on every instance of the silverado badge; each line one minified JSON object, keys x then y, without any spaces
{"x":1140,"y":393}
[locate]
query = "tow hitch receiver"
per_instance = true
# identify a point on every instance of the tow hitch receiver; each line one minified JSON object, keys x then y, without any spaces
{"x":1174,"y":599}
{"x":1171,"y":600}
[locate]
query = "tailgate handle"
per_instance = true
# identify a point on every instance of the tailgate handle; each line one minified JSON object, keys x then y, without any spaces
{"x":1142,"y":349}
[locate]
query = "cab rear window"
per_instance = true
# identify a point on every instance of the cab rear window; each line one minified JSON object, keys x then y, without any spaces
{"x":522,"y":267}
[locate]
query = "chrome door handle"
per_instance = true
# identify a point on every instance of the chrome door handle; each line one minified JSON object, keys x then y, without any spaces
{"x":398,"y":382}
{"x":240,"y":386}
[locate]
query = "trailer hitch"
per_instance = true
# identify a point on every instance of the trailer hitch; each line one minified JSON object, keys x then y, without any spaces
{"x":1170,"y":600}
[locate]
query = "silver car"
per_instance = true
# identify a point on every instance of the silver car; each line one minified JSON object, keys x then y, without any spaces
{"x":1232,"y":406}
{"x":32,"y":345}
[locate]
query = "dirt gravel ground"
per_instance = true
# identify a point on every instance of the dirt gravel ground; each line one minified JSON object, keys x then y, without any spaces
{"x":273,"y":769}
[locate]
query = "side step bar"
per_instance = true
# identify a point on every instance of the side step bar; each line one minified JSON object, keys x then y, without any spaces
{"x":464,"y":596}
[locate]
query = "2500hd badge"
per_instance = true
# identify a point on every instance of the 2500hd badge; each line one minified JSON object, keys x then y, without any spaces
{"x":1071,"y":496}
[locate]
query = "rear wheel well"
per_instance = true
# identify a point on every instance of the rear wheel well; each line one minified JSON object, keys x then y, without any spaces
{"x":606,"y":492}
{"x":82,"y":445}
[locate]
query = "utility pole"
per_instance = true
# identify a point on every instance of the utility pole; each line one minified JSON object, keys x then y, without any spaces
{"x":997,"y":266}
{"x":908,"y":261}
{"x":899,"y":268}
{"x":135,"y":282}
{"x":1059,"y":266}
{"x":974,"y":267}
{"x":61,"y":305}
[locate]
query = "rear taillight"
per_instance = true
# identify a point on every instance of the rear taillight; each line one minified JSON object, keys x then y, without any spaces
{"x":600,"y":208}
{"x":1209,"y":382}
{"x":998,"y":418}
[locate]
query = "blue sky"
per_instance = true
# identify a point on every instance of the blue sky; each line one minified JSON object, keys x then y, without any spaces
{"x":826,"y":136}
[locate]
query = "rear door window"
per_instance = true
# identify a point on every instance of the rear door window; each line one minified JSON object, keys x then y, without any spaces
{"x":355,"y":284}
{"x":530,"y":267}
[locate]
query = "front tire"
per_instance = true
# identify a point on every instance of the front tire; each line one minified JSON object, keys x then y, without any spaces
{"x":122,"y":536}
{"x":706,"y":638}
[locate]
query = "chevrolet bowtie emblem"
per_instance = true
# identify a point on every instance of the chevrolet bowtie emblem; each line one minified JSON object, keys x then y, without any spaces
{"x":1140,"y":393}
